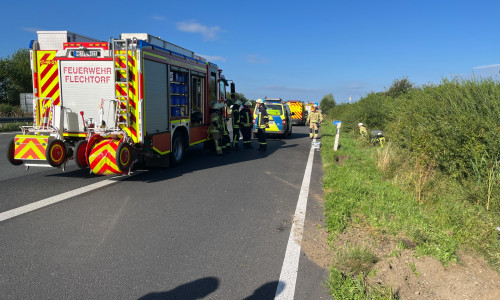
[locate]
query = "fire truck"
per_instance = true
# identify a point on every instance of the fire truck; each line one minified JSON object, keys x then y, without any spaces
{"x":297,"y":108}
{"x":110,"y":104}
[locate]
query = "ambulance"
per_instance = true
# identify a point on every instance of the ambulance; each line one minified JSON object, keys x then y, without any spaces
{"x":108,"y":105}
{"x":280,"y":117}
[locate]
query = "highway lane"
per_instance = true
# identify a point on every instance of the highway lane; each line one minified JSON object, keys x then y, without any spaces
{"x":214,"y":226}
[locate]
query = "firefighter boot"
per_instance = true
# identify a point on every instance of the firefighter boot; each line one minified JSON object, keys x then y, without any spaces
{"x":310,"y":133}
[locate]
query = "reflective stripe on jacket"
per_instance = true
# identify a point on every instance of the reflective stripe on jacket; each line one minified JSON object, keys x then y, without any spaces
{"x":263,"y":117}
{"x":246,"y":117}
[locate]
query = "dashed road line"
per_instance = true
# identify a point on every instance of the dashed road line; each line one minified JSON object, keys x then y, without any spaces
{"x":61,"y":197}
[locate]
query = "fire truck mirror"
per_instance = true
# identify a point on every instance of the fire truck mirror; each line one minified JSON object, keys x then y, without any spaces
{"x":233,"y":90}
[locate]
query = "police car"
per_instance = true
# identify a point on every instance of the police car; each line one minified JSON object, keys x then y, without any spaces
{"x":280,"y":118}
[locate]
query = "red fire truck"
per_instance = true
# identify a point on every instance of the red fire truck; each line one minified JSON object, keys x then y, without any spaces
{"x":109,"y":104}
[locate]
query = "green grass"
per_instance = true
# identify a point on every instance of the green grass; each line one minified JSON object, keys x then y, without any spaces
{"x":439,"y":223}
{"x":10,"y":126}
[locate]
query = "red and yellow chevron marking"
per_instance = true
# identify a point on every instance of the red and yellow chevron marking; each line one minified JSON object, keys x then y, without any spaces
{"x":30,"y":147}
{"x":121,"y":90}
{"x":102,"y":158}
{"x":297,"y":108}
{"x":48,"y":75}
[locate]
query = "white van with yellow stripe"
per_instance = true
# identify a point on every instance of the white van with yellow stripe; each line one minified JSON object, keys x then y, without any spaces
{"x":280,"y":118}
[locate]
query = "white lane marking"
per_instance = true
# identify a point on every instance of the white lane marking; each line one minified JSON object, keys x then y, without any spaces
{"x":10,"y":132}
{"x":61,"y":197}
{"x":290,"y":268}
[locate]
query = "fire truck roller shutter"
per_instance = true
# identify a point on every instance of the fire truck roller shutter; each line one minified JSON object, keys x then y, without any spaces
{"x":155,"y":97}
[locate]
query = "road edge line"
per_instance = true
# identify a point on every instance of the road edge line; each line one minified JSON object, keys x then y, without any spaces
{"x":290,"y":268}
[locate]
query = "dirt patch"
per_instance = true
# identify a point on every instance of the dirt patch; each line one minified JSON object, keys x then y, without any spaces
{"x":340,"y":159}
{"x":315,"y":239}
{"x":412,"y":277}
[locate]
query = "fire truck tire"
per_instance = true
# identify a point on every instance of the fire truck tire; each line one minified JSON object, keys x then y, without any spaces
{"x":10,"y":154}
{"x":81,"y":154}
{"x":124,"y":156}
{"x":177,"y":154}
{"x":56,"y":153}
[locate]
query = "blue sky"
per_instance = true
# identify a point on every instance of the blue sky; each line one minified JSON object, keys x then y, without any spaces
{"x":291,"y":49}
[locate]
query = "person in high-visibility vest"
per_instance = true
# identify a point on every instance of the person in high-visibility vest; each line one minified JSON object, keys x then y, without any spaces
{"x":362,"y":130}
{"x":236,"y":120}
{"x":262,"y":124}
{"x":216,"y":127}
{"x":246,"y":119}
{"x":314,"y":119}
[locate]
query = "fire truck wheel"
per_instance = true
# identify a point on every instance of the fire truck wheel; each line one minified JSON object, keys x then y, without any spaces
{"x":177,"y":154}
{"x":81,"y":154}
{"x":124,"y":156}
{"x":10,"y":154}
{"x":56,"y":153}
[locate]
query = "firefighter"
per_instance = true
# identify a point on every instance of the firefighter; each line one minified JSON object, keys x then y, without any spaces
{"x":263,"y":120}
{"x":246,"y":119}
{"x":235,"y":121}
{"x":216,"y":127}
{"x":226,"y":140}
{"x":314,"y":119}
{"x":362,"y":130}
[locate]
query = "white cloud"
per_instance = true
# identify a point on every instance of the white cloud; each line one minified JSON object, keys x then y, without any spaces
{"x":30,"y":29}
{"x":487,"y":67}
{"x":209,"y":33}
{"x":257,"y":60}
{"x":212,"y":58}
{"x":158,"y":18}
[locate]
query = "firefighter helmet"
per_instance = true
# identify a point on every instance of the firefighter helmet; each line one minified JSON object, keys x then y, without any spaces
{"x":360,"y":124}
{"x":259,"y":101}
{"x":248,"y":103}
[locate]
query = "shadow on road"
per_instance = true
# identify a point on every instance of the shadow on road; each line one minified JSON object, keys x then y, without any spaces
{"x":203,"y":287}
{"x":265,"y":292}
{"x":197,"y":289}
{"x":197,"y":158}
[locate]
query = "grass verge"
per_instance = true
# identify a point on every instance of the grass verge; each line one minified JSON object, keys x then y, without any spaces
{"x":397,"y":197}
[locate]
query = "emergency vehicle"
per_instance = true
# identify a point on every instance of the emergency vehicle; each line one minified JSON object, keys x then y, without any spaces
{"x":280,"y":117}
{"x":109,"y":104}
{"x":297,"y":108}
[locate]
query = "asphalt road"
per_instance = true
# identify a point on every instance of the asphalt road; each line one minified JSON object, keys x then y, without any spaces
{"x":212,"y":228}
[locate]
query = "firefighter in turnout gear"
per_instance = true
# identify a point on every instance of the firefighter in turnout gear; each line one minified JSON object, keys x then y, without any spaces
{"x":314,"y":119}
{"x":216,"y":124}
{"x":226,"y":140}
{"x":236,"y":121}
{"x":262,"y":124}
{"x":246,"y":119}
{"x":362,"y":130}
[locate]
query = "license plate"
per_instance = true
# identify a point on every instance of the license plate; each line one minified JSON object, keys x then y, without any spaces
{"x":86,"y":53}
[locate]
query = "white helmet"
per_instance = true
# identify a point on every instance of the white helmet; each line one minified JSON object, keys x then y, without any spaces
{"x":360,"y":124}
{"x":248,"y":103}
{"x":259,"y":101}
